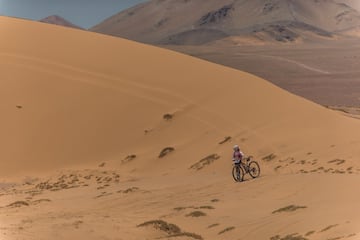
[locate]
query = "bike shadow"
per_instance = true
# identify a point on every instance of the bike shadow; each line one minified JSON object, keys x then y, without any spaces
{"x":248,"y":179}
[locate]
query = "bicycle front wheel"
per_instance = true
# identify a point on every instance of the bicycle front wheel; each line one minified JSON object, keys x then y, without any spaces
{"x":237,"y":173}
{"x":254,"y":169}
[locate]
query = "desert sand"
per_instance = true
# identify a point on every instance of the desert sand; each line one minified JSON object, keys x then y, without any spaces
{"x":85,"y":118}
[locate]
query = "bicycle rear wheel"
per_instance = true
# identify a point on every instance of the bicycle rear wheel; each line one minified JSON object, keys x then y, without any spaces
{"x":237,"y":173}
{"x":254,"y":169}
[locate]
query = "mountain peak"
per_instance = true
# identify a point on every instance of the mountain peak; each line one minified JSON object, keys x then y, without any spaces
{"x":57,"y":20}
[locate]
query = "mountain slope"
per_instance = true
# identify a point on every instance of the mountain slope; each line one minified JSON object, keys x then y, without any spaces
{"x":352,"y":3}
{"x":164,"y":21}
{"x":57,"y":20}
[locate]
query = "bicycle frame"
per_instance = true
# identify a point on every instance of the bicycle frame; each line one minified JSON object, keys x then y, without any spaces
{"x":245,"y":166}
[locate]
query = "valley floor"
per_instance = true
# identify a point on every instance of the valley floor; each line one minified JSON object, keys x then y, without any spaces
{"x":327,"y":72}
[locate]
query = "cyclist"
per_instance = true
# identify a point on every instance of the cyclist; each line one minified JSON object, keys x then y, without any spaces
{"x":237,"y":155}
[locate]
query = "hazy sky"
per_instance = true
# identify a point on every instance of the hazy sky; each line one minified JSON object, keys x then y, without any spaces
{"x":84,"y":13}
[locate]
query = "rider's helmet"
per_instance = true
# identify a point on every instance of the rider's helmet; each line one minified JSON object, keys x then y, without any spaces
{"x":236,"y":148}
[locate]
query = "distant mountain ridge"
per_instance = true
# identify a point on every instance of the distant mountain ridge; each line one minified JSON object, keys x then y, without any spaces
{"x":198,"y":22}
{"x":57,"y":20}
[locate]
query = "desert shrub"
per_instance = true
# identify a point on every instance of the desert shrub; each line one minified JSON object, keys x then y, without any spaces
{"x":168,"y":116}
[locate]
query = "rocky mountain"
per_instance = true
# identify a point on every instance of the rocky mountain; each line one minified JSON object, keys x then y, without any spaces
{"x":352,"y":3}
{"x":57,"y":20}
{"x":198,"y":22}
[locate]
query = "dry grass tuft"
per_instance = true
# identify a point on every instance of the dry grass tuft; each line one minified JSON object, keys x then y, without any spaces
{"x":213,"y":225}
{"x":196,"y":214}
{"x":187,"y":234}
{"x":329,"y":227}
{"x":168,"y":116}
{"x":336,"y":238}
{"x":337,"y":161}
{"x":162,"y":226}
{"x":290,"y":208}
{"x":193,"y":207}
{"x":226,"y":139}
{"x":102,"y":164}
{"x":129,"y":158}
{"x":293,"y":236}
{"x":18,"y":204}
{"x":130,"y":190}
{"x":179,"y":208}
{"x":206,"y":207}
{"x":41,"y":201}
{"x":166,"y":151}
{"x":269,"y":157}
{"x":205,"y":161}
{"x":226,"y":230}
{"x":277,"y":167}
{"x":170,"y":229}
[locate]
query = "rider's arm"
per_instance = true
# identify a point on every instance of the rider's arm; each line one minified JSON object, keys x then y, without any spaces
{"x":242,"y":155}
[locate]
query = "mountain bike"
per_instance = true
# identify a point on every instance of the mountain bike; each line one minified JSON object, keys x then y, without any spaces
{"x":247,"y":165}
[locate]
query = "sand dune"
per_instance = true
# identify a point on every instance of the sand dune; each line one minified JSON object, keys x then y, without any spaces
{"x":111,"y":136}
